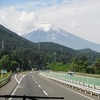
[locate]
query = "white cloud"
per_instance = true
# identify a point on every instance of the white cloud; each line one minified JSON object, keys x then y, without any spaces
{"x":80,"y":17}
{"x":17,"y":21}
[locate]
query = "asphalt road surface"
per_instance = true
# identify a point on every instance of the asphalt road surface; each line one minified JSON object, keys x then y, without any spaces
{"x":36,"y":85}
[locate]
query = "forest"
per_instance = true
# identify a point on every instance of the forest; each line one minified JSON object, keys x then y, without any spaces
{"x":18,"y":54}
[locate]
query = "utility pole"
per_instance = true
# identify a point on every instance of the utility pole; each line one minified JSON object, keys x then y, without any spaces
{"x":55,"y":56}
{"x":61,"y":53}
{"x":38,"y":46}
{"x":2,"y":45}
{"x":61,"y":49}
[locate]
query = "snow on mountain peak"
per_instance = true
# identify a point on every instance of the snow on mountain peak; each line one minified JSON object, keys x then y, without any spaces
{"x":45,"y":27}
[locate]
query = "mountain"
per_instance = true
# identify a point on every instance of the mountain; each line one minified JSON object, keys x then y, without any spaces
{"x":13,"y":41}
{"x":28,"y":54}
{"x":50,"y":33}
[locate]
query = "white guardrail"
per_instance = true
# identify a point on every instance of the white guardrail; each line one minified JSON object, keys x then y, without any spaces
{"x":74,"y":84}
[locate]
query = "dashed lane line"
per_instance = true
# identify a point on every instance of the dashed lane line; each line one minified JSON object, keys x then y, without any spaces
{"x":39,"y":86}
{"x":45,"y":93}
{"x":35,"y":82}
{"x":69,"y":89}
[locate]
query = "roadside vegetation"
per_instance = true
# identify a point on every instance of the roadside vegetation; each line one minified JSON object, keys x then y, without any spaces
{"x":4,"y":76}
{"x":80,"y":66}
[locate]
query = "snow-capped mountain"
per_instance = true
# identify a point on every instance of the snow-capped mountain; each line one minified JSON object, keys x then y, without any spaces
{"x":50,"y":33}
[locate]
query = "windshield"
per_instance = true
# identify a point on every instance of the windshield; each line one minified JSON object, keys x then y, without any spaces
{"x":29,"y":97}
{"x":49,"y":49}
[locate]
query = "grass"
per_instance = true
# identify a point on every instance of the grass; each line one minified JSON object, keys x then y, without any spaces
{"x":4,"y":76}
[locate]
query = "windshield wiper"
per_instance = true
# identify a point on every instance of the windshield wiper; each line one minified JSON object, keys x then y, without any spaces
{"x":24,"y":97}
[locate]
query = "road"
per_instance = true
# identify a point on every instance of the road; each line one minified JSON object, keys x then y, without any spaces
{"x":36,"y":85}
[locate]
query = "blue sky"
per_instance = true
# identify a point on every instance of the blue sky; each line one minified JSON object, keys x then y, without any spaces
{"x":10,"y":2}
{"x":13,"y":2}
{"x":79,"y":17}
{"x":36,"y":4}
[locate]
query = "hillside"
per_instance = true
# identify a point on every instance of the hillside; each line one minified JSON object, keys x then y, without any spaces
{"x":12,"y":41}
{"x":28,"y":54}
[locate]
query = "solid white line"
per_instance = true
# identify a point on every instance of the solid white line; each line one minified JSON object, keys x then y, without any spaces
{"x":70,"y":90}
{"x":39,"y":86}
{"x":45,"y":93}
{"x":16,"y":79}
{"x":21,"y":79}
{"x":16,"y":86}
{"x":14,"y":92}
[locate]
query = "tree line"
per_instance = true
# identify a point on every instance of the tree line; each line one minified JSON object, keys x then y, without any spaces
{"x":77,"y":65}
{"x":26,"y":60}
{"x":17,"y":53}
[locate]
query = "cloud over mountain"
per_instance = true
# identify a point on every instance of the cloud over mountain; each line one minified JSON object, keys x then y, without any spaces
{"x":51,"y":33}
{"x":80,"y":17}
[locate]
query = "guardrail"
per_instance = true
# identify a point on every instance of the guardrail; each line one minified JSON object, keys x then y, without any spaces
{"x":75,"y":84}
{"x":5,"y":81}
{"x":89,"y":81}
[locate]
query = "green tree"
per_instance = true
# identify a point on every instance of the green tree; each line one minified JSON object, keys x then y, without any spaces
{"x":13,"y":65}
{"x":96,"y":66}
{"x":79,"y":64}
{"x":5,"y":62}
{"x":57,"y":66}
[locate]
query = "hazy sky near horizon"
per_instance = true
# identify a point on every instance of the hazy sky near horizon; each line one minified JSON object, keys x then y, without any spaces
{"x":79,"y":17}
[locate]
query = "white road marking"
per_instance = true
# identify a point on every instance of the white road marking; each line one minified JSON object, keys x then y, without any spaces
{"x":16,"y":79}
{"x":20,"y":79}
{"x":39,"y":86}
{"x":45,"y":93}
{"x":33,"y":78}
{"x":70,"y":89}
{"x":14,"y":92}
{"x":16,"y":86}
{"x":35,"y":82}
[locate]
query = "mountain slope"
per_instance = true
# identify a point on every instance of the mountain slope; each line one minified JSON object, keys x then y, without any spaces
{"x":50,"y":33}
{"x":28,"y":54}
{"x":12,"y":41}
